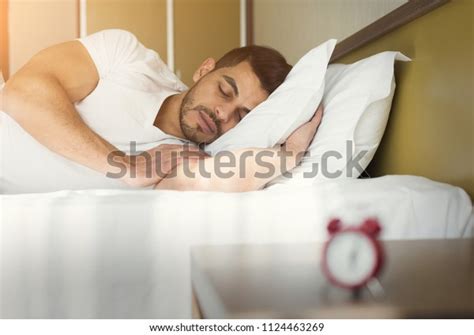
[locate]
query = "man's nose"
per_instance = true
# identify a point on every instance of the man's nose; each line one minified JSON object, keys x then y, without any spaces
{"x":223,"y":113}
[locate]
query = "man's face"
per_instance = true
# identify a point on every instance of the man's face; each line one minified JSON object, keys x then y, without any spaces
{"x":218,"y":101}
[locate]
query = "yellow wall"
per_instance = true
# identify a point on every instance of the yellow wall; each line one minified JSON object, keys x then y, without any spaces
{"x":145,"y":18}
{"x":295,"y":26}
{"x":204,"y":28}
{"x":4,"y":67}
{"x":430,"y":131}
{"x":35,"y":25}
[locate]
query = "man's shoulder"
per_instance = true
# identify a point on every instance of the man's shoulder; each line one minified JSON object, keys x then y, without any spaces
{"x":116,"y":36}
{"x":125,"y":43}
{"x":120,"y":53}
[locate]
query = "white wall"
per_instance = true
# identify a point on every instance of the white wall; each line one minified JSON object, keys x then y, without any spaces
{"x":295,"y":26}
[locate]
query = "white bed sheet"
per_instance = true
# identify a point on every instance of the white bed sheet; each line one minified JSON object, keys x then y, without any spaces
{"x":125,"y":254}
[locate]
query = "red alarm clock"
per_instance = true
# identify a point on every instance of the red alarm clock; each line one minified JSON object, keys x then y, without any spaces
{"x":353,"y":255}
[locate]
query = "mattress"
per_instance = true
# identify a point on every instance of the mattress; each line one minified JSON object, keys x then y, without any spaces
{"x":126,"y":254}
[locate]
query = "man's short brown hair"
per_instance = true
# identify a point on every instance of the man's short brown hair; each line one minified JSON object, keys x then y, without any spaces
{"x":268,"y":64}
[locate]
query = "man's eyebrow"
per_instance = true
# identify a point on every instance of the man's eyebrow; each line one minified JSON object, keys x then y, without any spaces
{"x":232,"y":83}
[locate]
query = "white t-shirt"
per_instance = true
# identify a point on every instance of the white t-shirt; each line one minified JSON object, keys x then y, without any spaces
{"x":133,"y":84}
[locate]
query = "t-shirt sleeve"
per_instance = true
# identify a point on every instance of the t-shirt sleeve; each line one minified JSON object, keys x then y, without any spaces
{"x":112,"y":48}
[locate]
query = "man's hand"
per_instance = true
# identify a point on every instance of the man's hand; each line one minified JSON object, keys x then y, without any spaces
{"x":151,"y":166}
{"x":298,"y":142}
{"x":256,"y":176}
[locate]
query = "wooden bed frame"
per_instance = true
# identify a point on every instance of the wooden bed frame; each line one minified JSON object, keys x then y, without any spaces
{"x":430,"y":131}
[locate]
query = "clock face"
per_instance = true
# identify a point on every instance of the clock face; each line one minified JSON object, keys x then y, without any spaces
{"x":351,"y":258}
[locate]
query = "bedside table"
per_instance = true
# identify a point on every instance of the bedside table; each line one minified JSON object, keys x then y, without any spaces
{"x":421,"y":278}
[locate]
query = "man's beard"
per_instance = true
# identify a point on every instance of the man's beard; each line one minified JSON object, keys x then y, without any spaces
{"x":192,"y":133}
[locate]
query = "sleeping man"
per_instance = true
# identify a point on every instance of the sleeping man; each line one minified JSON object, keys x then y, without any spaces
{"x":75,"y":114}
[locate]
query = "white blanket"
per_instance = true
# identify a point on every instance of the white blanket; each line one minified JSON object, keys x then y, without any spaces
{"x":125,"y":254}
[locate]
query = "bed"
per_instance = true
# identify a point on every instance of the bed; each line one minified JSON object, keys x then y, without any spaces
{"x":125,"y":254}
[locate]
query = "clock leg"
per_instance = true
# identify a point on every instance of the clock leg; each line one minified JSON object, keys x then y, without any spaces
{"x":376,"y":289}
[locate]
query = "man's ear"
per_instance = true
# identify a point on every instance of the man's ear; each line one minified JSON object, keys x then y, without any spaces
{"x":207,"y":66}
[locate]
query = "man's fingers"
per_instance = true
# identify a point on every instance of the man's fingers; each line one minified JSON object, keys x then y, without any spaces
{"x":193,"y":154}
{"x":165,"y":147}
{"x":191,"y":147}
{"x":172,"y":149}
{"x":183,"y":148}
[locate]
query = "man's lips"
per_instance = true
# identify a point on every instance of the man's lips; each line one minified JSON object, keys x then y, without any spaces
{"x":207,"y":124}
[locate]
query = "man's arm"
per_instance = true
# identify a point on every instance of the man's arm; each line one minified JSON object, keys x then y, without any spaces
{"x":244,"y":174}
{"x":41,"y":96}
{"x":248,"y":169}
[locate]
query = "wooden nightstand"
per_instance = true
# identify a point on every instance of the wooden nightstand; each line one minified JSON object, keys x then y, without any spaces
{"x":422,"y":278}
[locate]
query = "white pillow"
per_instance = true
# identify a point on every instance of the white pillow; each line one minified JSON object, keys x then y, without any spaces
{"x":289,"y":106}
{"x":357,"y":101}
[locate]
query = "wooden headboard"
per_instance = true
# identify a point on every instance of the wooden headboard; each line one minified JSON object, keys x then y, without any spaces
{"x":430,"y":131}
